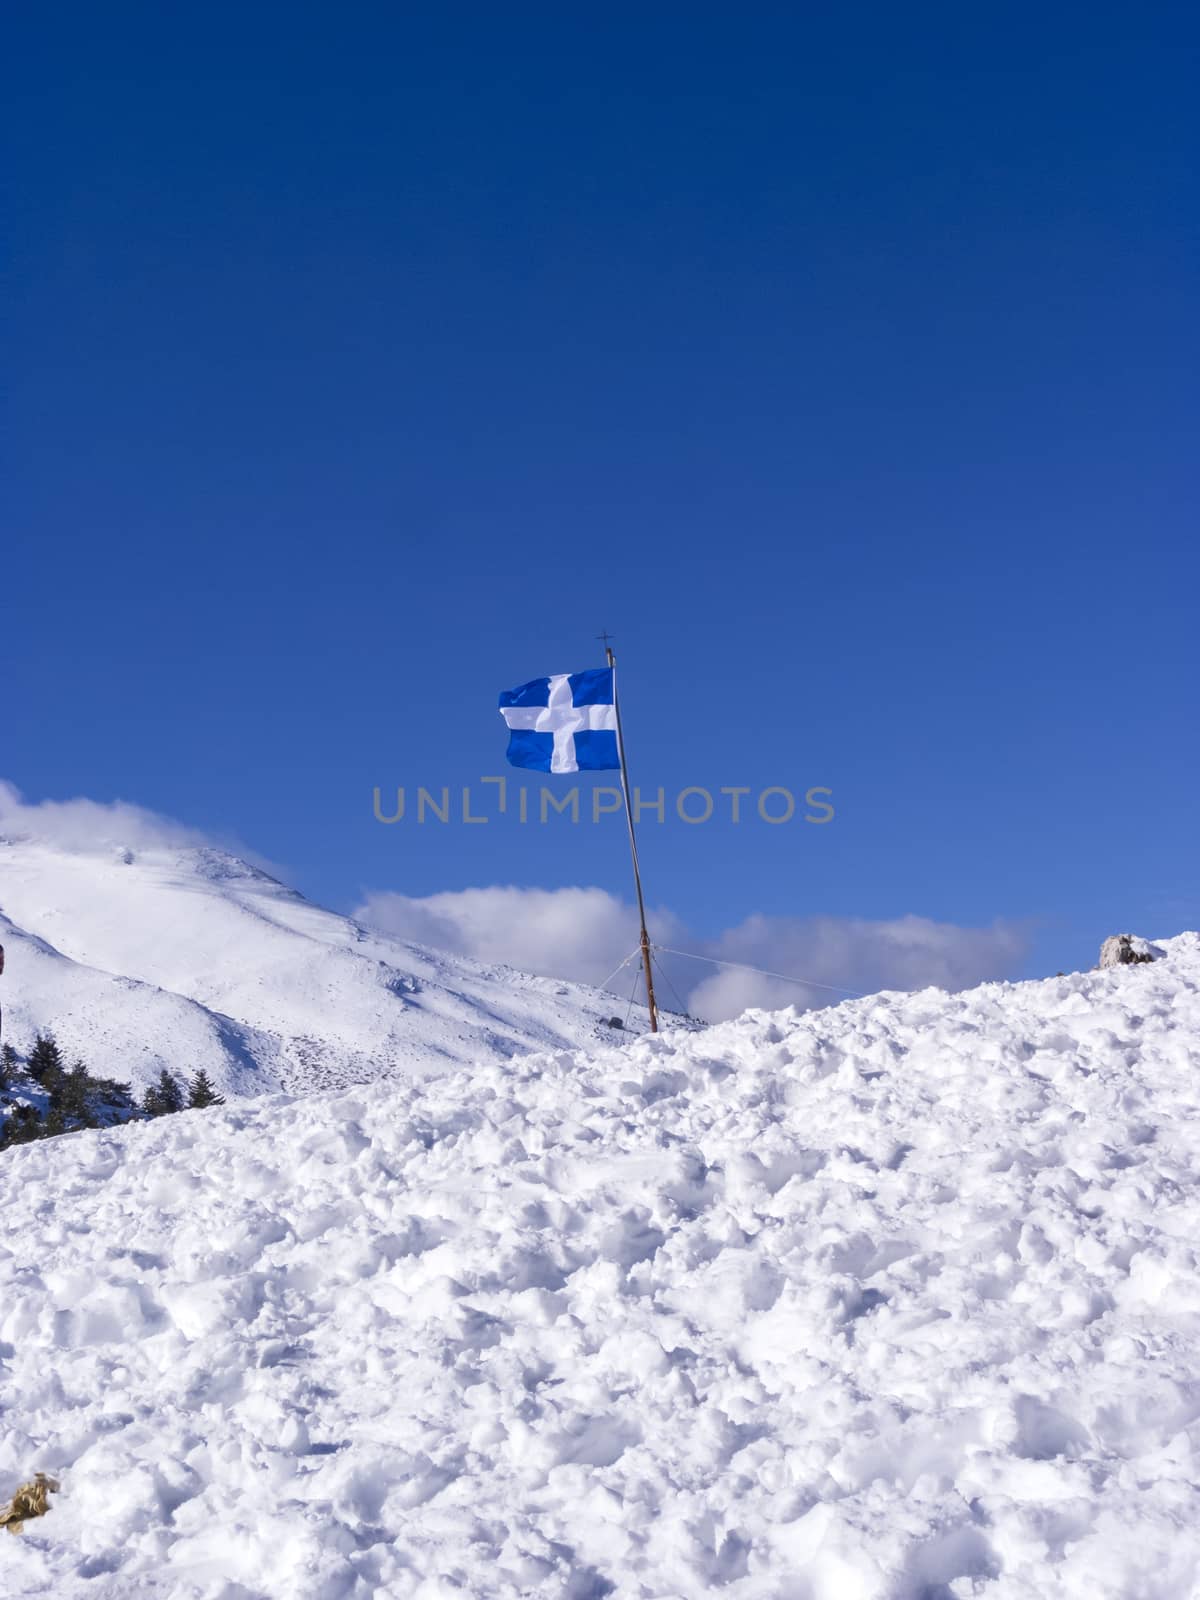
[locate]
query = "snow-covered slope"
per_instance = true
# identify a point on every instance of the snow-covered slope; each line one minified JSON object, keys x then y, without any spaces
{"x":895,"y":1301}
{"x":189,"y":958}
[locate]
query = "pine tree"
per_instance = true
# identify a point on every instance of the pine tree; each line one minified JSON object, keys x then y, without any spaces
{"x":163,"y":1097}
{"x":75,"y":1091}
{"x":45,"y":1059}
{"x":21,"y":1126}
{"x":71,"y":1096}
{"x":201,"y":1092}
{"x":109,"y":1095}
{"x":8,"y":1066}
{"x":68,"y":1090}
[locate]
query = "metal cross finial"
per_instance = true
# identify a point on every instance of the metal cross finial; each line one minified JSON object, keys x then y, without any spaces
{"x":604,"y":638}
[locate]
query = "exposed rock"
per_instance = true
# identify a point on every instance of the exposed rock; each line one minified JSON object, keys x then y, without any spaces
{"x":32,"y":1499}
{"x":1124,"y":950}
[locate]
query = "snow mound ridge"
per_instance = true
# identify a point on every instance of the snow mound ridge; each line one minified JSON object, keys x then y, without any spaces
{"x":895,"y":1301}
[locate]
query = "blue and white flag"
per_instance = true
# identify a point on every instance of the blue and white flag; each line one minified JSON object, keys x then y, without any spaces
{"x":567,"y":723}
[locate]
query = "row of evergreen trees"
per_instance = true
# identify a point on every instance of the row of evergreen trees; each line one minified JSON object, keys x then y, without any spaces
{"x":76,"y":1099}
{"x":168,"y":1094}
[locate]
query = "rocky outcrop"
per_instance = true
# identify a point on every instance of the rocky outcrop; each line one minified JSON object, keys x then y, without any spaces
{"x":1125,"y":950}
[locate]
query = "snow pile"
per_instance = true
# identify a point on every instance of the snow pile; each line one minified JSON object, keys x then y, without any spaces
{"x":895,"y":1301}
{"x":189,"y":958}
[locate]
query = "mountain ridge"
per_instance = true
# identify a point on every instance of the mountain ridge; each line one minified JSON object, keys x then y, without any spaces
{"x":190,"y":957}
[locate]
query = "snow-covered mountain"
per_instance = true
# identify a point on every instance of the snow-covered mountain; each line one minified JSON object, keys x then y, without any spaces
{"x":189,"y":958}
{"x":894,"y":1301}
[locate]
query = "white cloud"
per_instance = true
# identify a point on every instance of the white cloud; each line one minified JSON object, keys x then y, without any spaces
{"x":91,"y":825}
{"x":583,"y":934}
{"x":850,"y":953}
{"x":562,"y":933}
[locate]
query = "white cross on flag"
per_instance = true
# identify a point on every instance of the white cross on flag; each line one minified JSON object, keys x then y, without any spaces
{"x":565,"y":723}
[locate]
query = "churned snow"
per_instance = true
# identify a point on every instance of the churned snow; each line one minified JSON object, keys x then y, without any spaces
{"x":893,"y":1301}
{"x":191,"y":958}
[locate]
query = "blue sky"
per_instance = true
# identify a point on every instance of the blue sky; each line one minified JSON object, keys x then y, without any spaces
{"x":841,"y":363}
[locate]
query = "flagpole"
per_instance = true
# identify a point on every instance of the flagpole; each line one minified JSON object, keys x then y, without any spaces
{"x":637,"y":871}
